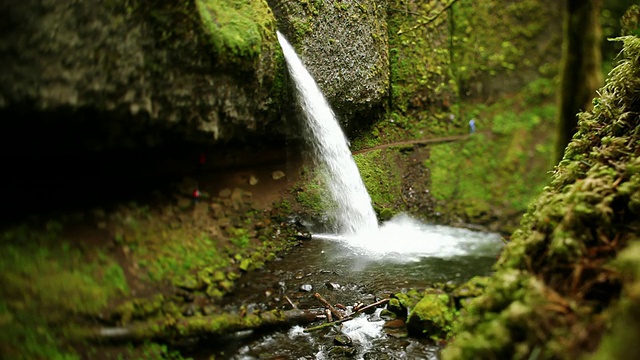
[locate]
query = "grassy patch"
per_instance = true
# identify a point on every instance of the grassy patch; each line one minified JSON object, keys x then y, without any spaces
{"x":45,"y":280}
{"x":164,"y":250}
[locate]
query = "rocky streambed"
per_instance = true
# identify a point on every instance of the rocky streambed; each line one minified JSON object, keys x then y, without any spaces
{"x":349,"y":277}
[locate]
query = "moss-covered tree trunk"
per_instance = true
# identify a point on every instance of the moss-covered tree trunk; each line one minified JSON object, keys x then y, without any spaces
{"x":581,"y":66}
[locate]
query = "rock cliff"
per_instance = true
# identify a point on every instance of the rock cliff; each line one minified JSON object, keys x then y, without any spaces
{"x":202,"y":69}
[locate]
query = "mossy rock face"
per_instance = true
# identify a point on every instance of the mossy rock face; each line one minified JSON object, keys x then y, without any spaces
{"x":554,"y":288}
{"x":237,"y":29}
{"x":198,"y":70}
{"x":343,"y":44}
{"x":432,"y":317}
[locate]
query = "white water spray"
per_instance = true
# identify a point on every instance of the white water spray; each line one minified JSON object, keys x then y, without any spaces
{"x":354,"y":213}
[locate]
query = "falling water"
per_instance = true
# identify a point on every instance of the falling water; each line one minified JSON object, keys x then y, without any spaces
{"x":354,"y":214}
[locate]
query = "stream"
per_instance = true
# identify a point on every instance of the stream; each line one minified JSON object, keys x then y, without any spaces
{"x":404,"y":254}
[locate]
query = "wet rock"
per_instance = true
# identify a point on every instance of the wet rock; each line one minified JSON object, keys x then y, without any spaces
{"x":239,"y":197}
{"x":277,"y":175}
{"x":396,"y":307}
{"x":342,"y":340}
{"x":376,"y":355}
{"x":394,"y":324}
{"x":306,"y":288}
{"x":342,"y":351}
{"x":253,"y":180}
{"x":282,"y":287}
{"x":333,"y":286}
{"x":398,"y":333}
{"x":303,"y":236}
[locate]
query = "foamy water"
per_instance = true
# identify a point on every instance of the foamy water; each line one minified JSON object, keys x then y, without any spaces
{"x":413,"y":239}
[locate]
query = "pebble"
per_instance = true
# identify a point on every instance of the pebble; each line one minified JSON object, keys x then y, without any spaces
{"x":333,"y":286}
{"x":306,"y":288}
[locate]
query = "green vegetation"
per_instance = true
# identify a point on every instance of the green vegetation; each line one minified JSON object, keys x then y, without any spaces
{"x":556,"y":275}
{"x":45,"y":280}
{"x":502,"y":166}
{"x":433,"y":316}
{"x":56,"y":283}
{"x":382,"y":177}
{"x":164,"y":250}
{"x":311,"y":193}
{"x":483,"y":48}
{"x":237,"y":29}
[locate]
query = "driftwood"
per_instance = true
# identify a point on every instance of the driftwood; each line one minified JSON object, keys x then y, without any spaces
{"x":348,"y":317}
{"x":218,"y":325}
{"x":293,"y":306}
{"x":326,"y":304}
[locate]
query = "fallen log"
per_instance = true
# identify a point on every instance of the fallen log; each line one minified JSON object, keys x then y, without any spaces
{"x":214,"y":325}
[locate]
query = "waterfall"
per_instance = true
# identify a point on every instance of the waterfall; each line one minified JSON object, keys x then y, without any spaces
{"x":354,"y":214}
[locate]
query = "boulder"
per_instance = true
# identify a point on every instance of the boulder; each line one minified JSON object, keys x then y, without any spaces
{"x":432,"y":317}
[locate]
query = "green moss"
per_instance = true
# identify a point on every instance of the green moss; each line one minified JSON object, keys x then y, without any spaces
{"x":382,"y":178}
{"x":554,"y":277}
{"x":433,"y":316}
{"x":26,"y":335}
{"x":503,"y":169}
{"x":482,"y":47}
{"x":163,"y":251}
{"x":237,"y":29}
{"x":45,"y":281}
{"x":240,"y":237}
{"x":310,"y":193}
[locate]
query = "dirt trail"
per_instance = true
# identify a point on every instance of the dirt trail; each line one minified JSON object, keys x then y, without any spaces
{"x":425,"y":141}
